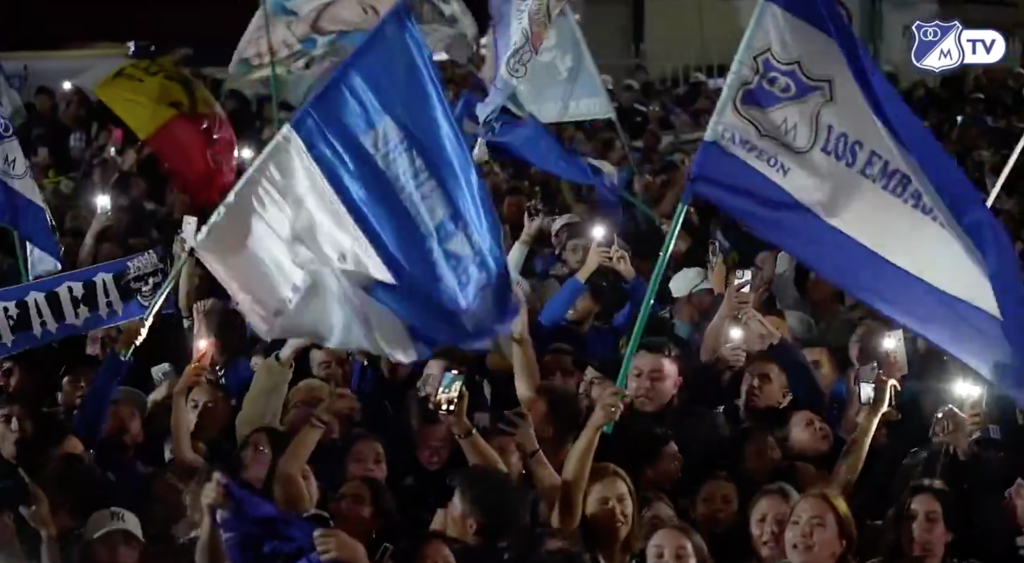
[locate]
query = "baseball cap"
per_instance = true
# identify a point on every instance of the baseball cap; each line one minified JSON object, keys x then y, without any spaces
{"x":112,"y":520}
{"x":132,"y":396}
{"x":689,"y":280}
{"x":562,"y":221}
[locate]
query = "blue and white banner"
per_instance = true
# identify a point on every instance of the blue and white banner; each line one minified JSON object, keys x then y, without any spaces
{"x":813,"y":150}
{"x":543,"y":65}
{"x":22,"y":207}
{"x":364,"y":224}
{"x":78,"y":302}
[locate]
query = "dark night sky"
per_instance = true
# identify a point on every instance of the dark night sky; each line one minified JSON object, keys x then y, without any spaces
{"x":211,"y":28}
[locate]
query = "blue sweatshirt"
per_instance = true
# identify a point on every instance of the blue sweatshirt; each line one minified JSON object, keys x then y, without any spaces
{"x":92,"y":413}
{"x":601,"y":342}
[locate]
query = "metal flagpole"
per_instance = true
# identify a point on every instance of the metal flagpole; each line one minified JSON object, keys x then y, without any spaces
{"x":652,"y":291}
{"x":1006,"y":172}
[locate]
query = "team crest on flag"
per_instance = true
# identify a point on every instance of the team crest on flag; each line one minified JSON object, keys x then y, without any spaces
{"x":782,"y":102}
{"x":937,"y":45}
{"x":11,"y":167}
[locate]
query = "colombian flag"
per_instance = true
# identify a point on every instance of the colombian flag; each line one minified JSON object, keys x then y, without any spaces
{"x":180,"y":121}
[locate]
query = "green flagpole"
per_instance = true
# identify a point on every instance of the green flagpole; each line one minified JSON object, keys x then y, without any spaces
{"x":21,"y":257}
{"x":652,"y":291}
{"x":273,"y":63}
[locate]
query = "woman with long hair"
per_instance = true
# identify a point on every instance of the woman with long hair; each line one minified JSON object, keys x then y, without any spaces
{"x":922,"y":525}
{"x":599,"y":499}
{"x":821,"y":529}
{"x":365,"y":510}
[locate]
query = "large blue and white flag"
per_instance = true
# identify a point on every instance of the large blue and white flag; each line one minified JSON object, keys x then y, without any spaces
{"x":543,"y":66}
{"x":812,"y":149}
{"x":364,"y":224}
{"x":22,"y":207}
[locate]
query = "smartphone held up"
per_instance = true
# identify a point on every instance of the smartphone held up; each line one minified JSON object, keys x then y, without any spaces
{"x":446,"y":401}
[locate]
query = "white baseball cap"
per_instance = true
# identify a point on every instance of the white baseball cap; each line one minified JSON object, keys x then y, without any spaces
{"x":689,"y":280}
{"x":112,"y":520}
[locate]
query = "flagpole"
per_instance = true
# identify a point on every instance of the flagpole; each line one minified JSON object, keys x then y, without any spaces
{"x":154,"y":307}
{"x":652,"y":291}
{"x":21,"y":257}
{"x":273,"y":64}
{"x":1006,"y":172}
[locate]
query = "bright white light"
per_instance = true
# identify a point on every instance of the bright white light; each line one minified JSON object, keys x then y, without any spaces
{"x":246,"y":153}
{"x":967,"y":390}
{"x":736,"y":333}
{"x":888,"y":343}
{"x":67,"y":85}
{"x":102,"y":202}
{"x":598,"y":232}
{"x":113,"y":151}
{"x":441,"y":56}
{"x":203,"y":344}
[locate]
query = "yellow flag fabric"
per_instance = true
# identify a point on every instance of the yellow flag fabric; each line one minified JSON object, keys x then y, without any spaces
{"x":146,"y":94}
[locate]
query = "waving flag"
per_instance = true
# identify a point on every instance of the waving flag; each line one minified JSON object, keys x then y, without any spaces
{"x":543,"y":65}
{"x":364,"y":224}
{"x":813,"y":150}
{"x":22,"y":207}
{"x":181,"y":121}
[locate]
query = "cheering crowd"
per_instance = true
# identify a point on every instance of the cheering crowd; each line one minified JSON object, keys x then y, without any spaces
{"x":765,"y":416}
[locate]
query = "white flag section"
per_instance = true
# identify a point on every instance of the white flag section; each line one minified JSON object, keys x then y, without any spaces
{"x":363,"y":225}
{"x":22,"y":207}
{"x":563,"y":83}
{"x":812,"y":149}
{"x":543,"y":65}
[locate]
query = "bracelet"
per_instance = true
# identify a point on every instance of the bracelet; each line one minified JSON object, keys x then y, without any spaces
{"x":469,"y":434}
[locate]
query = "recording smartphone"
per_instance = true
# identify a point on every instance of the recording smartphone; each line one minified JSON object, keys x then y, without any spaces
{"x":447,"y":398}
{"x":43,"y":153}
{"x":102,"y":203}
{"x":714,"y":254}
{"x":865,"y":378}
{"x":189,"y":226}
{"x":971,"y":396}
{"x":744,"y":276}
{"x":959,"y":119}
{"x":161,"y":373}
{"x":534,"y":208}
{"x":599,"y":232}
{"x":894,"y":346}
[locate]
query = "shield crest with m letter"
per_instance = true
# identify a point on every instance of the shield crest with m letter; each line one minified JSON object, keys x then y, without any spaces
{"x":783,"y":102}
{"x":937,"y":45}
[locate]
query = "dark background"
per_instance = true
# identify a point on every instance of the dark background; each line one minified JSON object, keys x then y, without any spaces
{"x":211,"y":28}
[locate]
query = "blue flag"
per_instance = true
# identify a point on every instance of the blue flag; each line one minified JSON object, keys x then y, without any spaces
{"x":77,"y":302}
{"x":255,"y":531}
{"x":529,"y":140}
{"x":22,"y":207}
{"x":364,"y":224}
{"x":813,"y":150}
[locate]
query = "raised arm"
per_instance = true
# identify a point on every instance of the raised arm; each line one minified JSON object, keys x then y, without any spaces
{"x":851,"y":460}
{"x":576,"y":472}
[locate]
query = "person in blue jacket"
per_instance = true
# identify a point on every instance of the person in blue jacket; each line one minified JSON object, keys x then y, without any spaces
{"x":588,"y":296}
